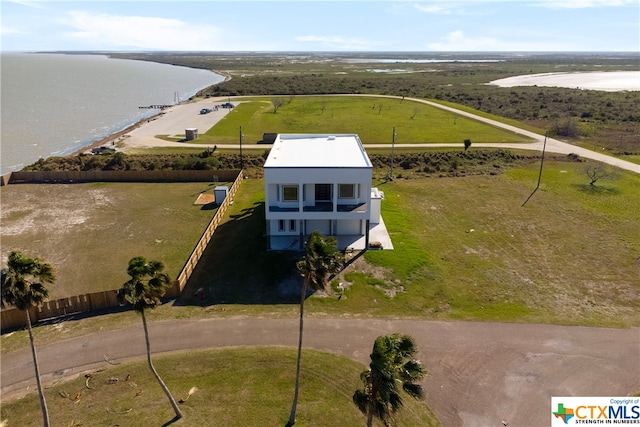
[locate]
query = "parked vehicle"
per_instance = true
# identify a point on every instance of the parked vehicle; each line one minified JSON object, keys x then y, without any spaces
{"x":103,"y":149}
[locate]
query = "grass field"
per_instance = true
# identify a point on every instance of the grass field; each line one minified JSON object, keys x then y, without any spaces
{"x":244,"y":387}
{"x":373,"y":119}
{"x":89,"y":232}
{"x":465,"y":248}
{"x":468,"y":249}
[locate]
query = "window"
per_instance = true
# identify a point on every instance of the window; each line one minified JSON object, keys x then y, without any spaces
{"x":292,"y":225}
{"x":346,"y":191}
{"x":289,"y":193}
{"x":281,"y":225}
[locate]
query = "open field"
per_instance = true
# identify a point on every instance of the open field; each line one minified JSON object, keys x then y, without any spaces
{"x":373,"y":119}
{"x":89,"y":232}
{"x":465,"y":248}
{"x":244,"y":387}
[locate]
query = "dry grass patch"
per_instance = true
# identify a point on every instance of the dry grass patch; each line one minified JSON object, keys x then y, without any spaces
{"x":89,"y":232}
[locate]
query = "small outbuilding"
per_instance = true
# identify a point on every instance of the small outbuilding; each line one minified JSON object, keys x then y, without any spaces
{"x":190,"y":134}
{"x":220,"y":193}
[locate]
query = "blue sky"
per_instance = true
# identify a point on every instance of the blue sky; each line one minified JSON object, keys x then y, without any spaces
{"x":383,"y":25}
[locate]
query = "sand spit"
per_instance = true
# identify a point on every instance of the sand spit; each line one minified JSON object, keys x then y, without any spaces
{"x":613,"y":81}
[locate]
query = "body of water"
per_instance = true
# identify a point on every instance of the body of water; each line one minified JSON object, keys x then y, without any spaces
{"x":55,"y":104}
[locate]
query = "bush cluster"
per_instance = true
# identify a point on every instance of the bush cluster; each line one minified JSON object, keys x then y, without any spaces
{"x":141,"y":162}
{"x":406,"y":165}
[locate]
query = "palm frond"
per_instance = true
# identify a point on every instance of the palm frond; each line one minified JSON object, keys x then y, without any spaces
{"x":361,"y":400}
{"x":413,"y":390}
{"x":21,"y":281}
{"x":392,"y":370}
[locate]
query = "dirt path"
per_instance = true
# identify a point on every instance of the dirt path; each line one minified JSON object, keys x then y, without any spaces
{"x":479,"y":373}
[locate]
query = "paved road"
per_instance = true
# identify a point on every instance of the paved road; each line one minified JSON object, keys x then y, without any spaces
{"x":179,"y":117}
{"x":480,"y":373}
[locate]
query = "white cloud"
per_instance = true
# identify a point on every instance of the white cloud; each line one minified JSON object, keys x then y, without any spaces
{"x":583,"y":4}
{"x":437,"y":9}
{"x":336,"y":42}
{"x":28,"y":3}
{"x":10,"y":31}
{"x":457,"y":41}
{"x":140,"y":32}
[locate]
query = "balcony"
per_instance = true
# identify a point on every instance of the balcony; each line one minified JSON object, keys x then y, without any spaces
{"x":279,"y":209}
{"x":320,"y":207}
{"x":324,"y":207}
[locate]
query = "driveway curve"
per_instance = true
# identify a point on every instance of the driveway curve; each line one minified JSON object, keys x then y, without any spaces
{"x":173,"y":122}
{"x":480,"y":373}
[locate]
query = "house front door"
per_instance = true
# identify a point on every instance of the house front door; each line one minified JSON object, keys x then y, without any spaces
{"x":323,"y":192}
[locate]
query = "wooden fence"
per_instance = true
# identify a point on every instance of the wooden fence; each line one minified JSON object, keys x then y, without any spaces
{"x":13,"y":318}
{"x":226,"y":175}
{"x":191,"y":263}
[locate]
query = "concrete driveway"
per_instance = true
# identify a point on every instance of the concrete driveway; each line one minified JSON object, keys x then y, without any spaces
{"x":479,"y":373}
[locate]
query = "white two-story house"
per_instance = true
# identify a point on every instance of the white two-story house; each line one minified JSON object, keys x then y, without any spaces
{"x":319,"y":182}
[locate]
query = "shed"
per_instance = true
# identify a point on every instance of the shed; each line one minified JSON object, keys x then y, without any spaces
{"x":220,"y":193}
{"x":190,"y":134}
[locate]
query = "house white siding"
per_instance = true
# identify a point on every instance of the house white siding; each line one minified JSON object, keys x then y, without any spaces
{"x":349,"y":227}
{"x":321,"y":225}
{"x":316,"y":182}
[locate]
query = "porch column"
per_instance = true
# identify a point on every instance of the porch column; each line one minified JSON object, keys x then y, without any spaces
{"x":301,"y":223}
{"x":366,"y":238}
{"x":300,"y":198}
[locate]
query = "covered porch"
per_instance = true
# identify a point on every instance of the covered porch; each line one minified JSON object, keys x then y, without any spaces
{"x":378,"y":234}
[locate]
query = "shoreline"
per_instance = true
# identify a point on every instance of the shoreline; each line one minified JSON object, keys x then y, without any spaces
{"x":111,"y":137}
{"x":122,"y":134}
{"x":115,"y":137}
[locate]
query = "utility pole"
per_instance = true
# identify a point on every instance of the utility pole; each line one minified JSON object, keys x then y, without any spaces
{"x":393,"y":143}
{"x":544,"y":149}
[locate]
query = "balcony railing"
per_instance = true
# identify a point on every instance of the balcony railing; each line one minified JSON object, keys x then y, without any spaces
{"x":323,"y":207}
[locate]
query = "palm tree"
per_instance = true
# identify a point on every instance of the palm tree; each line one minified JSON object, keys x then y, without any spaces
{"x":22,"y":288}
{"x":391,"y":370}
{"x":146,"y":294}
{"x":321,"y":259}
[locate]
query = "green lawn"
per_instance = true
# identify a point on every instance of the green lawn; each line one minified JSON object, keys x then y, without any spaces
{"x":244,"y":387}
{"x":373,"y":119}
{"x":465,"y":248}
